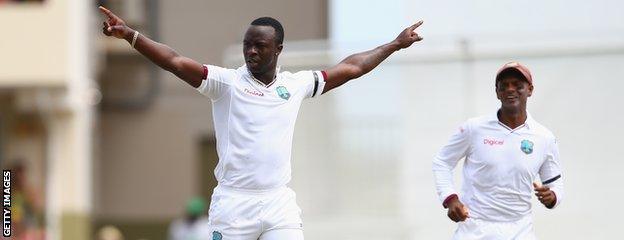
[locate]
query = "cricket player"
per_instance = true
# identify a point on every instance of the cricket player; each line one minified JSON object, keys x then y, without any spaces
{"x":505,"y":153}
{"x":254,"y":111}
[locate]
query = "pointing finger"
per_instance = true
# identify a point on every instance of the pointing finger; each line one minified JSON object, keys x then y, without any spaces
{"x":416,"y":25}
{"x":108,"y":13}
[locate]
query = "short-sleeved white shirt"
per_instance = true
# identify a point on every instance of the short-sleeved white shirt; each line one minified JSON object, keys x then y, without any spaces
{"x":254,"y":123}
{"x":500,"y":167}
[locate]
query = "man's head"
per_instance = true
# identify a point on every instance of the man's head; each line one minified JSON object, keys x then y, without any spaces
{"x":263,"y":44}
{"x":514,"y":85}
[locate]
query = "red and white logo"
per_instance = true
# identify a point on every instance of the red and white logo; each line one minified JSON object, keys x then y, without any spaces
{"x":254,"y":92}
{"x":493,"y":142}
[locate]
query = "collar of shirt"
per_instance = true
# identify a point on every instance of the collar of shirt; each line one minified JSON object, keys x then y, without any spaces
{"x":254,"y":79}
{"x":528,"y":123}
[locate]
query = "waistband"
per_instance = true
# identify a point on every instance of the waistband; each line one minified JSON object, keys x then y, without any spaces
{"x":235,"y":190}
{"x":523,"y":219}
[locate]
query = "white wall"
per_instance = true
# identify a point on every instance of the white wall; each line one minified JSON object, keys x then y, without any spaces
{"x":373,"y":177}
{"x":575,"y":97}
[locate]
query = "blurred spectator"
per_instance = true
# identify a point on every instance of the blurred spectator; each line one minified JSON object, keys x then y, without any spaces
{"x":194,"y":225}
{"x":26,"y":206}
{"x":109,"y":232}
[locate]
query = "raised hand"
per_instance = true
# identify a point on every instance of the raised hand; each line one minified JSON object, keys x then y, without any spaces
{"x":114,"y":26}
{"x":408,"y":36}
{"x":162,"y":55}
{"x":545,"y":195}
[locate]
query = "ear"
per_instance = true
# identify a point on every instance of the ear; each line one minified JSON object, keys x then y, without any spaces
{"x":496,"y":92}
{"x":530,"y":90}
{"x":279,"y":48}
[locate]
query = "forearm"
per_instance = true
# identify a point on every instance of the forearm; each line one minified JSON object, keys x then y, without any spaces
{"x":446,"y":160}
{"x":557,"y":188}
{"x":161,"y":54}
{"x":364,"y":62}
{"x":443,"y":176}
{"x":359,"y":64}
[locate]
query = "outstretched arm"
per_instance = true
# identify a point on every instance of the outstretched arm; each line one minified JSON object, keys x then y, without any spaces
{"x":359,"y":64}
{"x":162,"y":55}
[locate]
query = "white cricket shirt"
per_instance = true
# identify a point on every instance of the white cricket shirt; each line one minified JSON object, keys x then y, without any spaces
{"x":500,"y":167}
{"x":254,"y":123}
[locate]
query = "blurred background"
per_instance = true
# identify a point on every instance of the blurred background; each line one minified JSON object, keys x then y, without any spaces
{"x":104,"y":145}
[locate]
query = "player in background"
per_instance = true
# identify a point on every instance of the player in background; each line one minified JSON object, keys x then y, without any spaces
{"x":505,"y":153}
{"x":254,"y":112}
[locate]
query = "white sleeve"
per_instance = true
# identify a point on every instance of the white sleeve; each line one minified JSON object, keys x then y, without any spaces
{"x":550,"y":171}
{"x":446,"y":160}
{"x":313,"y":81}
{"x":218,"y":81}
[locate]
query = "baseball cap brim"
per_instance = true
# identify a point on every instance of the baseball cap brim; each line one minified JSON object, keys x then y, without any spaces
{"x":517,"y":67}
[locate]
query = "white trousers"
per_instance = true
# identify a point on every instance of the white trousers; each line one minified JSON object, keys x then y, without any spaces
{"x":237,"y":214}
{"x":476,"y":229}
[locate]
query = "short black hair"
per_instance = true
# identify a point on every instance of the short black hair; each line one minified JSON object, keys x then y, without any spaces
{"x":271,"y":22}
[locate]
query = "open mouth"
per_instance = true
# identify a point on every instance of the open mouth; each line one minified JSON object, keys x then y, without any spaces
{"x":511,"y":98}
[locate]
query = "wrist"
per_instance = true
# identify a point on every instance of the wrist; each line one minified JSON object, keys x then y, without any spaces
{"x":394,"y":46}
{"x":451,"y":199}
{"x":553,"y":203}
{"x":128,"y":33}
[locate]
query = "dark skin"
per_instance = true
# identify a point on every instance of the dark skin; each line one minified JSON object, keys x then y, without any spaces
{"x":261,"y":51}
{"x":456,"y":210}
{"x":513,"y":92}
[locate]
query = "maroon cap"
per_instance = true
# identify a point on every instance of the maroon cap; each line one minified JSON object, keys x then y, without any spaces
{"x":519,"y":67}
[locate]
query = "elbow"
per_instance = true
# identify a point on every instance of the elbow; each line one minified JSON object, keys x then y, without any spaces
{"x":354,"y":72}
{"x":174,"y":66}
{"x":439,"y":165}
{"x":177,"y":71}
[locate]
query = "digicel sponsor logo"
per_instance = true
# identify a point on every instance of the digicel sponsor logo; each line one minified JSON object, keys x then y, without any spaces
{"x":493,"y":142}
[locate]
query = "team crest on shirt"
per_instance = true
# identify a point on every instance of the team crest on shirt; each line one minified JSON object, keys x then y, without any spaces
{"x":526,"y":146}
{"x":283,"y":92}
{"x":216,"y":235}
